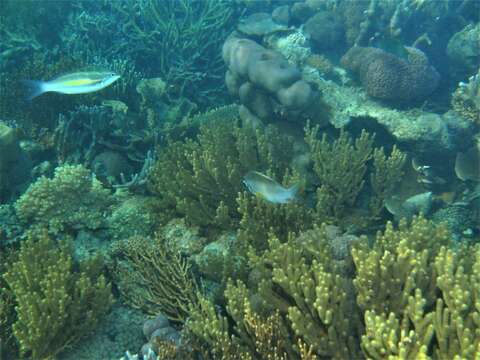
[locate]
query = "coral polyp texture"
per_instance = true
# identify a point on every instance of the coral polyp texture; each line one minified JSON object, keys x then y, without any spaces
{"x":389,"y":77}
{"x":72,"y":199}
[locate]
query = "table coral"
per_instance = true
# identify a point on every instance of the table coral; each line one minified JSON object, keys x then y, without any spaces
{"x":57,"y":303}
{"x":72,"y":199}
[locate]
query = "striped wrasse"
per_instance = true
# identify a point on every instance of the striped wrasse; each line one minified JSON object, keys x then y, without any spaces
{"x":75,"y":83}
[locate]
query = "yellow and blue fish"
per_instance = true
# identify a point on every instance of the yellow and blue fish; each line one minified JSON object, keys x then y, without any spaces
{"x":75,"y":83}
{"x":270,"y":190}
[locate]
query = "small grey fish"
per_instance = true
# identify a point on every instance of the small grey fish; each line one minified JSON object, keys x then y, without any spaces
{"x":75,"y":83}
{"x":420,"y":203}
{"x":267,"y":188}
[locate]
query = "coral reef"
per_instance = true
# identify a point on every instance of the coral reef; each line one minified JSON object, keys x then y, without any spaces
{"x":334,"y":197}
{"x":73,"y":199}
{"x":423,"y":132}
{"x":200,"y":179}
{"x":388,"y":77}
{"x":57,"y":303}
{"x":418,"y":298}
{"x":153,"y":278}
{"x":176,"y":37}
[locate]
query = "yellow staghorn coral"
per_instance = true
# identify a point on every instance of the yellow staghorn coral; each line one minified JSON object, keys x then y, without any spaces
{"x":399,"y":262}
{"x":56,"y":304}
{"x":419,"y":296}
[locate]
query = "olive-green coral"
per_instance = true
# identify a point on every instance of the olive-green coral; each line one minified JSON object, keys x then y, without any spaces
{"x":201,"y":178}
{"x":340,"y":167}
{"x":72,"y":199}
{"x":57,"y":303}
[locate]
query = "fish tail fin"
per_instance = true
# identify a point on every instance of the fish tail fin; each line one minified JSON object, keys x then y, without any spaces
{"x":34,"y":88}
{"x":294,"y":190}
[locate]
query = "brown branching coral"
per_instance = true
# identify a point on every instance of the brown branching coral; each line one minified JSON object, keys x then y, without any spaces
{"x":57,"y":304}
{"x":254,"y":336}
{"x":153,"y":278}
{"x":260,"y":218}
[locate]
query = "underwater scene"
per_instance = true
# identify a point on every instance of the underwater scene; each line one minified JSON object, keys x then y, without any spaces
{"x":239,"y":179}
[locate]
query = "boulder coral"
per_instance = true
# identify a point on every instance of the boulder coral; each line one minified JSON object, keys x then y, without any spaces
{"x":388,"y":77}
{"x":264,"y":80}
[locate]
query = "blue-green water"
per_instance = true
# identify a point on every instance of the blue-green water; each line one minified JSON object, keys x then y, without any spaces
{"x":239,"y":179}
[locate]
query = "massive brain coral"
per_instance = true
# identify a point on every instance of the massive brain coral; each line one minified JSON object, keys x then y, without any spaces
{"x":388,"y":77}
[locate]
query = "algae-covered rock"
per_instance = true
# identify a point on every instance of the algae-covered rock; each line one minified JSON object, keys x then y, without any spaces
{"x":211,"y":261}
{"x":131,"y":217}
{"x":182,"y":238}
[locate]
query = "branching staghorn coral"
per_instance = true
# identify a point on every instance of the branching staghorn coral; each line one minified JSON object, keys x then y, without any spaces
{"x":8,"y":345}
{"x":299,"y":291}
{"x":153,"y":278}
{"x":419,"y":297}
{"x":72,"y":199}
{"x":201,"y":178}
{"x":57,"y":303}
{"x":179,"y":41}
{"x":340,"y":166}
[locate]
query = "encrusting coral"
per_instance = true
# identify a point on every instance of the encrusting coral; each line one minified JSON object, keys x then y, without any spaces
{"x":72,"y":199}
{"x":57,"y":302}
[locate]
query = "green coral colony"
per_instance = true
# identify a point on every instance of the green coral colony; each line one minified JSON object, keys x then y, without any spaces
{"x":264,"y":180}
